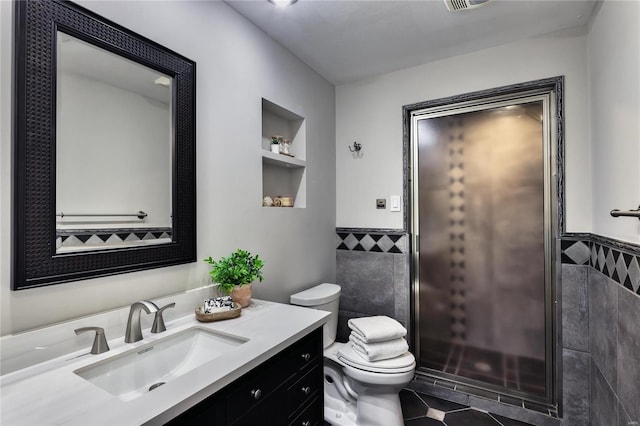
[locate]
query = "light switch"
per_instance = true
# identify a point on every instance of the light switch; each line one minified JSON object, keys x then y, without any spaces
{"x":394,"y":203}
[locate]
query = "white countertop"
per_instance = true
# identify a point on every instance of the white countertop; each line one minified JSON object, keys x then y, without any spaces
{"x":50,"y":393}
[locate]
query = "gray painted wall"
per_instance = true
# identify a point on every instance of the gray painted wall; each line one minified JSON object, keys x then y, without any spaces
{"x":237,"y":65}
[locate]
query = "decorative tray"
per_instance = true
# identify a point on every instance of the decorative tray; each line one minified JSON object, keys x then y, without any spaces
{"x":217,"y":316}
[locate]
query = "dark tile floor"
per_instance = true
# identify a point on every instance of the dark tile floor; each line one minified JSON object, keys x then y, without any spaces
{"x":509,"y":371}
{"x":424,"y":410}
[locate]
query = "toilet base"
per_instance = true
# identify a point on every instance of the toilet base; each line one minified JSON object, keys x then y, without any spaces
{"x":337,"y":413}
{"x":350,"y":403}
{"x":339,"y":399}
{"x":379,"y":410}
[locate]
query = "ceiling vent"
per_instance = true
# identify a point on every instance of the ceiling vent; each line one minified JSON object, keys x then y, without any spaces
{"x":455,"y":5}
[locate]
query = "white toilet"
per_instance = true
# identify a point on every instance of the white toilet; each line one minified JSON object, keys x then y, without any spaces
{"x":356,"y":392}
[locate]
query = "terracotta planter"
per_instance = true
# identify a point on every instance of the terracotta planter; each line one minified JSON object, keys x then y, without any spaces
{"x":242,"y":295}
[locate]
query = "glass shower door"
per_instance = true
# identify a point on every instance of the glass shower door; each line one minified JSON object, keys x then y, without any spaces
{"x":483,"y":274}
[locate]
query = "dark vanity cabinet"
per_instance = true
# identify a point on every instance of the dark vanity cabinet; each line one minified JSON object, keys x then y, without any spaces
{"x":284,"y":390}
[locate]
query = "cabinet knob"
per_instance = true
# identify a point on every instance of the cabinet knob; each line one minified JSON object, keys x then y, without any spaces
{"x":306,"y":423}
{"x":256,"y":393}
{"x":306,"y":390}
{"x":306,"y":356}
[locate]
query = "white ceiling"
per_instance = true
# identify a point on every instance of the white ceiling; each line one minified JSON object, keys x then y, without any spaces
{"x":347,"y":40}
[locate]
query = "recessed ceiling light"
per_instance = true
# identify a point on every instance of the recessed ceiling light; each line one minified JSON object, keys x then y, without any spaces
{"x":282,"y":3}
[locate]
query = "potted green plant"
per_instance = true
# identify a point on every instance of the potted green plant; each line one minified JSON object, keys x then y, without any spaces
{"x":275,"y":144}
{"x":235,"y":274}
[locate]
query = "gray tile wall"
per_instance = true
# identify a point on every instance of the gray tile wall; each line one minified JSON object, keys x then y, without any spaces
{"x":603,"y":327}
{"x":576,"y":360}
{"x":628,"y":354}
{"x":606,"y":328}
{"x":614,"y":335}
{"x":576,"y":376}
{"x":373,"y":283}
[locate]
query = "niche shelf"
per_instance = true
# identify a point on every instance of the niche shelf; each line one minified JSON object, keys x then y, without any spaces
{"x":284,"y":175}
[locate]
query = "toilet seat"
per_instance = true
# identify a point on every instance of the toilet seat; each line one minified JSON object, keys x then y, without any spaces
{"x":344,"y":354}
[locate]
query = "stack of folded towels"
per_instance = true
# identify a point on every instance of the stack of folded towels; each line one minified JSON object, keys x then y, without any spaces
{"x":377,"y":338}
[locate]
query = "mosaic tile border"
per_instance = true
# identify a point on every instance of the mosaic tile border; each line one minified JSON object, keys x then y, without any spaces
{"x":93,"y":237}
{"x":618,"y":260}
{"x":615,"y":259}
{"x":372,"y":240}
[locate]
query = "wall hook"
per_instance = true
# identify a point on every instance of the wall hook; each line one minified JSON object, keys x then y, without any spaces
{"x":356,"y":147}
{"x":356,"y":152}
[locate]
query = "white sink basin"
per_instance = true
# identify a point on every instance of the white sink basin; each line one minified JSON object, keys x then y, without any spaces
{"x":135,"y":373}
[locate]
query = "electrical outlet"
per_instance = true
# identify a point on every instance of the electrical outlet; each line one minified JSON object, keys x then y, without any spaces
{"x":381,"y":203}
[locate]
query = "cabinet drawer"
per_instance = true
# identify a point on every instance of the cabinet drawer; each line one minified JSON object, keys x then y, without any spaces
{"x":299,"y":356}
{"x":303,"y":390}
{"x":304,"y":352}
{"x":313,"y":415}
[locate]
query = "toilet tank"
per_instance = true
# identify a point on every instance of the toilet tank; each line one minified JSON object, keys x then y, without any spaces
{"x":325,"y":297}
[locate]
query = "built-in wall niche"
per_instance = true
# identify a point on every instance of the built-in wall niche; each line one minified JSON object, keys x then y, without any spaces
{"x":284,"y":175}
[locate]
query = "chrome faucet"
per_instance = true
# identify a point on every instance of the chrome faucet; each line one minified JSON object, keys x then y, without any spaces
{"x":133,"y":332}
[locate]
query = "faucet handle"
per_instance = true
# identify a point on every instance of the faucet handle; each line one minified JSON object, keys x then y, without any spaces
{"x":158,"y":322}
{"x":99,"y":341}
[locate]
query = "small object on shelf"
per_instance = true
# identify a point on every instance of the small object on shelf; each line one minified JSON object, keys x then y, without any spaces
{"x":267,"y":201}
{"x":217,"y":316}
{"x":276,"y":144}
{"x":285,"y":147}
{"x":284,"y":201}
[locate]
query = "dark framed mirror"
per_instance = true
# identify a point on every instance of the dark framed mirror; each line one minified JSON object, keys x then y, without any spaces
{"x":104,"y":150}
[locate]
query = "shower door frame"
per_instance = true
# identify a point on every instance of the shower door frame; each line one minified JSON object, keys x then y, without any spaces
{"x":550,"y":92}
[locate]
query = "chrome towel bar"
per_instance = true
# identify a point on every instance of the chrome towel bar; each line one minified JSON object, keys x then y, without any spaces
{"x":140,"y":215}
{"x":628,"y":213}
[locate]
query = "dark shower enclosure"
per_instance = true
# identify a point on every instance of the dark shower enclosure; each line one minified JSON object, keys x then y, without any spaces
{"x":482,"y":220}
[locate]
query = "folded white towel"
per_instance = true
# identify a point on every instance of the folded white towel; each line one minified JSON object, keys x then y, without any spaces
{"x":379,"y":351}
{"x":376,"y":329}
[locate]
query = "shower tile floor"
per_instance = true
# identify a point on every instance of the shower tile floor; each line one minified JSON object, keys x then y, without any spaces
{"x":424,"y":410}
{"x":509,"y":371}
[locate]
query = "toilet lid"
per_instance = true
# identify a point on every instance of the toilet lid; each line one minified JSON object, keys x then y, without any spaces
{"x":399,"y":364}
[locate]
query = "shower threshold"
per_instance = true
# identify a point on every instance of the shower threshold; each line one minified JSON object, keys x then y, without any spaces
{"x":458,"y":391}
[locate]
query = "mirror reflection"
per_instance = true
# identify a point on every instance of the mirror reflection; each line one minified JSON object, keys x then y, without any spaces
{"x":113,"y":150}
